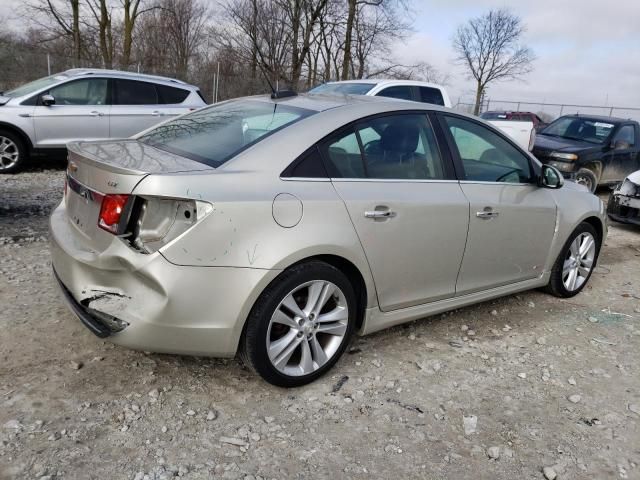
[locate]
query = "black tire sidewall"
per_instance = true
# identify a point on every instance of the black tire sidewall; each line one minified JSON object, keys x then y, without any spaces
{"x":22,"y":151}
{"x":557,"y":270}
{"x":585,"y":172}
{"x":260,"y":316}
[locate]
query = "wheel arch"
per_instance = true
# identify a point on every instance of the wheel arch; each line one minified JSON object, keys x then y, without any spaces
{"x":596,"y":223}
{"x":18,"y":131}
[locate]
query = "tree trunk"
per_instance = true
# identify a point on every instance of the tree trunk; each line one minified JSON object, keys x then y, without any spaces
{"x":476,"y":108}
{"x":347,"y":40}
{"x":77,"y":48}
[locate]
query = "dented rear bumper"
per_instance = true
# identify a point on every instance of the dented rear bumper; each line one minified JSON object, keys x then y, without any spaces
{"x":624,"y":203}
{"x":147,"y":303}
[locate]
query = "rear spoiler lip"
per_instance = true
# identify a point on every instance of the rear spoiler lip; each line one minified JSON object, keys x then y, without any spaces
{"x":175,"y":163}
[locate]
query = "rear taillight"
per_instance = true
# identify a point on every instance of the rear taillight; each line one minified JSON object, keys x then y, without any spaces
{"x":111,"y":212}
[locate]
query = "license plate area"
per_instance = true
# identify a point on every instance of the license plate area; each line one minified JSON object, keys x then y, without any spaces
{"x":83,"y":206}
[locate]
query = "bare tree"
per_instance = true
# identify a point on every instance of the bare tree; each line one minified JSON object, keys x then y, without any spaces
{"x":490,"y":47}
{"x":65,"y":17}
{"x":102,"y":13}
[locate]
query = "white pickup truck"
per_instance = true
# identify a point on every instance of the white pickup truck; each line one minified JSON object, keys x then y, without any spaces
{"x":521,"y":131}
{"x":524,"y":133}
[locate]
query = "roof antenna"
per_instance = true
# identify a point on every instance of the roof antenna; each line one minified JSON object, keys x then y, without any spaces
{"x":275,"y":94}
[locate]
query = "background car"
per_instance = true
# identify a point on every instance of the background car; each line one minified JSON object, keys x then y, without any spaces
{"x":41,"y":117}
{"x":424,"y":92}
{"x":370,"y":212}
{"x":592,"y":150}
{"x":624,"y":201}
{"x":538,"y":123}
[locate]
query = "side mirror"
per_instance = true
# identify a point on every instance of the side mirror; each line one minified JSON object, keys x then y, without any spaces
{"x":47,"y":100}
{"x":619,"y":145}
{"x":550,"y":177}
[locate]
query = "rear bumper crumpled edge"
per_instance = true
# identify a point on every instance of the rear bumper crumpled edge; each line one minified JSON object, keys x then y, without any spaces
{"x":146,"y":303}
{"x":624,"y":209}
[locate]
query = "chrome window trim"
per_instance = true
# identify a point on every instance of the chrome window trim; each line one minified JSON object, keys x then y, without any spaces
{"x":305,"y":179}
{"x":392,"y":180}
{"x":481,"y":182}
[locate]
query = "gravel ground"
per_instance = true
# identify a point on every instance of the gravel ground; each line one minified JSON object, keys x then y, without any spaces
{"x":528,"y":386}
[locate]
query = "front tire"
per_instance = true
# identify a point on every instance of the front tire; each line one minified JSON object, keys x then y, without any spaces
{"x":587,"y":178}
{"x":13,"y":153}
{"x":301,"y":325}
{"x":575,"y":263}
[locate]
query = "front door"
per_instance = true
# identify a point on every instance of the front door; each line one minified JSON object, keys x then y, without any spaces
{"x":408,"y":210}
{"x":80,"y":112}
{"x":511,"y":220}
{"x":622,"y":159}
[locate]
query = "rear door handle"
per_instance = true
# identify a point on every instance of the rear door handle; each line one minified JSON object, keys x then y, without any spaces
{"x":156,"y":113}
{"x":380,"y":214}
{"x":487,"y":214}
{"x":95,"y":113}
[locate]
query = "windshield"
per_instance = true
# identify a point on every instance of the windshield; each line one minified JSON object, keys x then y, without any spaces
{"x":215,"y":134}
{"x":576,"y":128}
{"x":344,"y":88}
{"x":34,"y":86}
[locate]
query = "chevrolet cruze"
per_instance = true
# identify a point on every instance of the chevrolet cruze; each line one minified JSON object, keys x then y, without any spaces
{"x":277,"y":228}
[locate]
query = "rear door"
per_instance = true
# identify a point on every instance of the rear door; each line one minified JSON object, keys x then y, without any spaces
{"x":405,"y":204}
{"x":80,"y":112}
{"x":511,"y":220}
{"x":136,"y":107}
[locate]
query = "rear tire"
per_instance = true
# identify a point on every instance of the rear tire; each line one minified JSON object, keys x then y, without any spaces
{"x":300,"y":325}
{"x":575,"y":263}
{"x":587,"y":178}
{"x":13,"y":152}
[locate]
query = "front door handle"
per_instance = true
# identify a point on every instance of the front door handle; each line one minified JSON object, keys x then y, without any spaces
{"x":380,"y":214}
{"x":156,"y":113}
{"x":95,"y":113}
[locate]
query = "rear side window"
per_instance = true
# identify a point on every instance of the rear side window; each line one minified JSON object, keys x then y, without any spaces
{"x":133,"y":92}
{"x":627,"y":135}
{"x":309,"y":165}
{"x":171,"y":95}
{"x":401,"y":147}
{"x":487,"y":157}
{"x":403,"y":92}
{"x":431,"y":95}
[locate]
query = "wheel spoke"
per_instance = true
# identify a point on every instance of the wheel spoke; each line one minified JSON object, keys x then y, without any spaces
{"x":566,"y":268}
{"x":281,"y":350}
{"x":338,"y":314}
{"x":291,"y":304}
{"x":280,"y":317}
{"x":587,"y":262}
{"x":306,"y":360}
{"x":575,"y":246}
{"x":334,"y":328}
{"x":583,"y":271}
{"x":319,"y":293}
{"x":317,"y":351}
{"x":587,"y":243}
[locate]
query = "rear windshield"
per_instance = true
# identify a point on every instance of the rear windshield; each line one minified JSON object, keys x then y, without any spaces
{"x":344,"y":88}
{"x":494,"y":116}
{"x":215,"y":134}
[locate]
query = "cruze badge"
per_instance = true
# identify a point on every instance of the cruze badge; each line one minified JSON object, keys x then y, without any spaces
{"x":113,"y":184}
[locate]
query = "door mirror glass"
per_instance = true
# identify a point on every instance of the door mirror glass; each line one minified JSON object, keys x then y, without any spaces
{"x":48,"y":100}
{"x":551,"y":177}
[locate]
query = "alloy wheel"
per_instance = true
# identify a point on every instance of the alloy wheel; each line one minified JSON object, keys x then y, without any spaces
{"x":9,"y":153}
{"x":307,"y":328}
{"x":586,"y":181}
{"x":579,"y":261}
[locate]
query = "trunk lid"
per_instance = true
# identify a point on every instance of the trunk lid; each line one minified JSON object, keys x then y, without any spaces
{"x":100,"y":168}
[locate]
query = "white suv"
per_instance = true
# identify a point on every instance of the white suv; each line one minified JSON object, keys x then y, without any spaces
{"x":85,"y":104}
{"x":403,"y":89}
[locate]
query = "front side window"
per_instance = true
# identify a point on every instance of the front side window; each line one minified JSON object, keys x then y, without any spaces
{"x":217,"y":133}
{"x":88,"y":91}
{"x":402,"y":92}
{"x":626,"y":135}
{"x":399,"y":147}
{"x":132,"y":92}
{"x":486,"y":156}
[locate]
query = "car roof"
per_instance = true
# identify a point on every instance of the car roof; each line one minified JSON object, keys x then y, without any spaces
{"x":321,"y":102}
{"x":385,"y":81}
{"x":78,"y":72}
{"x":600,"y":118}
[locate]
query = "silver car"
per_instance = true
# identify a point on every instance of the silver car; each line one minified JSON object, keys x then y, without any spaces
{"x":278,"y":228}
{"x":41,"y":117}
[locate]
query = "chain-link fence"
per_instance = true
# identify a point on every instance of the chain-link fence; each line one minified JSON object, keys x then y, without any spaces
{"x":551,"y":111}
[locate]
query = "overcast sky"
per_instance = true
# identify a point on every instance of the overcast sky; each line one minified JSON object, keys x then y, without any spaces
{"x":588,"y":51}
